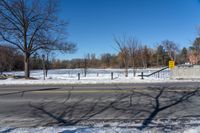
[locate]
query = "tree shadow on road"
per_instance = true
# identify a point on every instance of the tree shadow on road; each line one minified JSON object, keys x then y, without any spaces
{"x":159,"y":106}
{"x":146,"y":106}
{"x":71,"y":113}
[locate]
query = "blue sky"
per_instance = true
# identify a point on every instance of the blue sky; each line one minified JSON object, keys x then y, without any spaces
{"x":94,"y":23}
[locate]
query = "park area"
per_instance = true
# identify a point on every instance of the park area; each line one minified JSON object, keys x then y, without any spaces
{"x":93,"y":76}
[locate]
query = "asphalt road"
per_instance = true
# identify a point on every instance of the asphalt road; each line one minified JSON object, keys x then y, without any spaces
{"x":25,"y":106}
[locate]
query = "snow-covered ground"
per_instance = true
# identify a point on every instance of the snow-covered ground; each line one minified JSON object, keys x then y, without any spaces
{"x":91,"y":73}
{"x":77,"y":129}
{"x":69,"y":130}
{"x":94,"y":76}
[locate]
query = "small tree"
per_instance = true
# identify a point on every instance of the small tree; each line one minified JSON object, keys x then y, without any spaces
{"x":195,"y":51}
{"x":123,"y":52}
{"x":47,"y":54}
{"x":141,"y":58}
{"x":160,"y":55}
{"x":146,"y":56}
{"x":196,"y":45}
{"x":183,"y":56}
{"x":133,"y":45}
{"x":86,"y":64}
{"x":106,"y":60}
{"x":171,"y":48}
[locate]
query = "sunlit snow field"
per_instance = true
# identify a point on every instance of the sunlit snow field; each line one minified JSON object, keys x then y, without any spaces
{"x":91,"y":73}
{"x":70,"y":76}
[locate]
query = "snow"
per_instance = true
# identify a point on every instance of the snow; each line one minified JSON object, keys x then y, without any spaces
{"x":192,"y":130}
{"x":79,"y":129}
{"x":68,"y":130}
{"x":73,"y":130}
{"x":94,"y":76}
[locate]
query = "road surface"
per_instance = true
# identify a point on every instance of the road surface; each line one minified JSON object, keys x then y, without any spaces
{"x":146,"y":104}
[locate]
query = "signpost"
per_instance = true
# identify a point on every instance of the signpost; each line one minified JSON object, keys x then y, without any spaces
{"x":171,"y":64}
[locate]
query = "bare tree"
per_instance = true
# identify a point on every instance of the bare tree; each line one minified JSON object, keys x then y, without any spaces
{"x":160,"y":55}
{"x":124,"y":52}
{"x":47,"y":54}
{"x":142,"y":61}
{"x":146,"y":54}
{"x":195,"y":51}
{"x":133,"y":45}
{"x":31,"y":25}
{"x":106,"y":59}
{"x":86,"y":64}
{"x":171,"y":48}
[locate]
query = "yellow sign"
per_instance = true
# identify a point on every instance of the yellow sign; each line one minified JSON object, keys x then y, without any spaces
{"x":171,"y":64}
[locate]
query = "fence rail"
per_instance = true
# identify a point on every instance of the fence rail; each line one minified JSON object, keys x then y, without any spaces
{"x":161,"y":73}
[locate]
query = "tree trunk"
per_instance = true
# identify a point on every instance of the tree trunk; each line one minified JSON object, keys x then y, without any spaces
{"x":157,"y":59}
{"x":1,"y":70}
{"x":46,"y":73}
{"x":133,"y":67}
{"x":126,"y":70}
{"x":47,"y":65}
{"x":85,"y":67}
{"x":26,"y":65}
{"x":126,"y":67}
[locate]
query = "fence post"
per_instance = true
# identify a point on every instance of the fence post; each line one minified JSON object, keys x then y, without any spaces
{"x":78,"y":76}
{"x":111,"y":75}
{"x":142,"y":75}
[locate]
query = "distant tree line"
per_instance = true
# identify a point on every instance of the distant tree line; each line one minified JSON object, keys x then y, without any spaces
{"x":131,"y":54}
